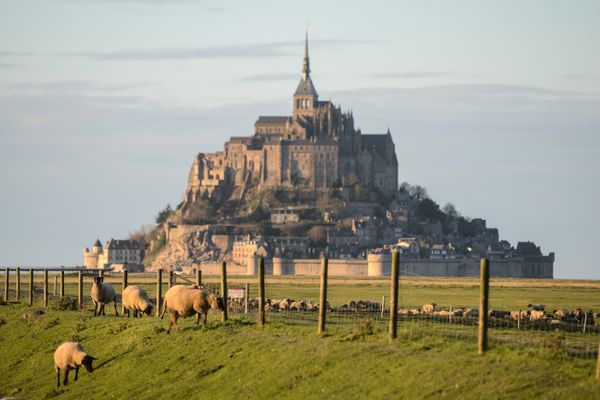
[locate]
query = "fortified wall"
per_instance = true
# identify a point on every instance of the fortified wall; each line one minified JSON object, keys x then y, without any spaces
{"x":379,"y":265}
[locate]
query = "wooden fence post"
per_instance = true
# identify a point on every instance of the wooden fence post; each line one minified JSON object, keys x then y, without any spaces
{"x":55,"y":284}
{"x":323,"y":296}
{"x":6,"y":283}
{"x":519,"y":320}
{"x":261,"y":291}
{"x":198,"y":277}
{"x":584,"y":321}
{"x":18,"y":284}
{"x":482,"y":342}
{"x":170,"y":279}
{"x":394,"y":296}
{"x":45,"y":288}
{"x":598,"y":364}
{"x":123,"y":289}
{"x":246,"y":296}
{"x":158,"y":290}
{"x":30,"y":287}
{"x":80,"y":290}
{"x":383,"y":306}
{"x":224,"y":291}
{"x":62,"y":284}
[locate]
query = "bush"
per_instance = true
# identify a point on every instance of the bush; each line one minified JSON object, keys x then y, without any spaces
{"x":66,"y":303}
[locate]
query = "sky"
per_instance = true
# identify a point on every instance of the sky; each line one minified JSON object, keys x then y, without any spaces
{"x":493,"y":106}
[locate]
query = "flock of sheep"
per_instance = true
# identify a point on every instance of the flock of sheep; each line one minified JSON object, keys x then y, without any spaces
{"x":179,"y":301}
{"x":188,"y":300}
{"x":533,"y":314}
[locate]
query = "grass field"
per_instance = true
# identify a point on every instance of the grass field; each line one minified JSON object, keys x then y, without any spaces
{"x":286,"y":359}
{"x":414,"y":292}
{"x":136,"y":359}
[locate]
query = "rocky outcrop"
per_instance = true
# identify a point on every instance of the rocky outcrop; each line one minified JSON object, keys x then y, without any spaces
{"x":186,"y":245}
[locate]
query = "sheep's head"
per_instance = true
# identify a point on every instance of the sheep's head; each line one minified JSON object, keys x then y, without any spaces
{"x":98,"y":280}
{"x":216,"y":302}
{"x":87,"y":363}
{"x":148,"y":310}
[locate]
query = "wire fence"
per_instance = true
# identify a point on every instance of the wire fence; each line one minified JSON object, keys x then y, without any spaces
{"x":350,"y":310}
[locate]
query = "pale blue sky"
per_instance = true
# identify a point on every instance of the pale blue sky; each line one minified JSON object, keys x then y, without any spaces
{"x":494,"y":106}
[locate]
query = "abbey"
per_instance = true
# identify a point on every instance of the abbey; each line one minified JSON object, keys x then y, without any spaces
{"x":316,"y":147}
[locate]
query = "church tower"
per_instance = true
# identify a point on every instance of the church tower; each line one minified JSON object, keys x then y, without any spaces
{"x":305,"y":97}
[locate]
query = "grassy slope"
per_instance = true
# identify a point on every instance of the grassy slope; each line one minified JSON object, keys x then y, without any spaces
{"x":136,"y":359}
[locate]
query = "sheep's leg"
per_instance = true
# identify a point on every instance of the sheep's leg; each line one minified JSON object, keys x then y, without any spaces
{"x":172,"y":321}
{"x":135,"y":313}
{"x":95,"y":308}
{"x":205,"y":316}
{"x":57,"y":377}
{"x":76,"y":372}
{"x":128,"y":313}
{"x":198,"y":318}
{"x":66,"y":380}
{"x":115,"y":304}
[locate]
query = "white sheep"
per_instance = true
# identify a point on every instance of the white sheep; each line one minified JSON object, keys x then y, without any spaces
{"x":185,"y":301}
{"x":102,"y":293}
{"x":136,"y":299}
{"x":68,"y":356}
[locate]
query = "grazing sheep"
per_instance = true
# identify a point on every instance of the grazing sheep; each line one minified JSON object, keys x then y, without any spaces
{"x":185,"y":301}
{"x":457,"y":313}
{"x":298,"y":306}
{"x":68,"y":356}
{"x":428,"y":308}
{"x":416,"y":311}
{"x":536,"y":307}
{"x":284,"y":304}
{"x":102,"y":293}
{"x":562,"y":314}
{"x":471,"y":313}
{"x":537,"y":315}
{"x":498,"y":314}
{"x":443,"y":313}
{"x":590,"y":318}
{"x":136,"y":299}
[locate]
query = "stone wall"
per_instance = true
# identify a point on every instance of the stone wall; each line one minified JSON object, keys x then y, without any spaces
{"x":379,"y":265}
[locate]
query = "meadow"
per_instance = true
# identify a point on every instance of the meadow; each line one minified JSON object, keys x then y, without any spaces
{"x":286,"y":359}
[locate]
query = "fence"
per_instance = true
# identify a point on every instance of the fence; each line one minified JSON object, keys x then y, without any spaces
{"x":349,"y":308}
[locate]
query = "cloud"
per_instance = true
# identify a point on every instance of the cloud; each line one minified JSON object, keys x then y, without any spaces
{"x":269,"y":77}
{"x":410,"y":74}
{"x":250,"y":50}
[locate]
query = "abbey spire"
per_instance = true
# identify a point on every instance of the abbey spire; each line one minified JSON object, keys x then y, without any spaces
{"x":305,"y":97}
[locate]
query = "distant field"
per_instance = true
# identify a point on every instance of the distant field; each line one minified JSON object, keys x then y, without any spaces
{"x":284,"y":360}
{"x":414,"y":292}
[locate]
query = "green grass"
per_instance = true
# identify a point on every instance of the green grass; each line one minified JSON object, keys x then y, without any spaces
{"x":509,"y":294}
{"x":283,"y":360}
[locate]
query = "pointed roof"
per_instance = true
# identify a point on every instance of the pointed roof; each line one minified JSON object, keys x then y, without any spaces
{"x":306,"y":87}
{"x":97,"y":244}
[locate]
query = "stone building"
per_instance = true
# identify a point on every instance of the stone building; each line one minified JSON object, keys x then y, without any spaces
{"x":316,"y":147}
{"x":116,"y":252}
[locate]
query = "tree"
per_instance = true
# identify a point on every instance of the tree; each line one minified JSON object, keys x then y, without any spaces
{"x":429,"y":209}
{"x":450,"y":210}
{"x":418,"y":193}
{"x":164,"y":214}
{"x":143,"y":235}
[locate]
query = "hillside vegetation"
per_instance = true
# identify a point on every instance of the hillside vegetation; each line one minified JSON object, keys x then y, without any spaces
{"x":283,"y":360}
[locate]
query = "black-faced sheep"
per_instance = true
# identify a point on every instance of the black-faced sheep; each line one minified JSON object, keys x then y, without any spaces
{"x":68,"y":356}
{"x":102,"y":293}
{"x":136,"y":299}
{"x":185,"y":301}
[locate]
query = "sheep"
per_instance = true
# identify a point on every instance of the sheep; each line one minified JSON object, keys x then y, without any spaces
{"x":102,"y":293}
{"x":443,"y":313}
{"x":498,"y":314}
{"x":185,"y":301}
{"x":562,"y":314}
{"x":536,"y":307}
{"x":298,"y":306}
{"x":428,"y":308}
{"x":537,"y":315}
{"x":471,"y":313}
{"x":136,"y":299}
{"x":68,"y":356}
{"x":457,"y":313}
{"x":284,"y":304}
{"x":416,"y":311}
{"x":516,"y":315}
